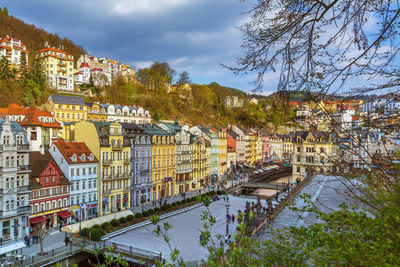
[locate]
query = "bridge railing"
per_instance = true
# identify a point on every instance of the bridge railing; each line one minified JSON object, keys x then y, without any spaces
{"x":138,"y":252}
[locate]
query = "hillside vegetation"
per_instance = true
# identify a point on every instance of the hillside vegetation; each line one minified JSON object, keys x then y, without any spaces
{"x":151,"y":88}
{"x":33,"y":37}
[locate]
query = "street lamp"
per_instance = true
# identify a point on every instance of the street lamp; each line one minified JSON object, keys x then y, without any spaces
{"x":80,"y":219}
{"x":227,"y":221}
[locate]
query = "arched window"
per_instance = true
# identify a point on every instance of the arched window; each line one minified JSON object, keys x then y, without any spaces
{"x":7,"y":161}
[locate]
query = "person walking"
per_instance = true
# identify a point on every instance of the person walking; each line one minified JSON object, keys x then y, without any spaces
{"x":66,"y":240}
{"x":233,"y":218}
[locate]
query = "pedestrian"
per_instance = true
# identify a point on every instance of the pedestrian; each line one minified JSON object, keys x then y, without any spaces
{"x":66,"y":240}
{"x":226,"y":239}
{"x":1,"y":241}
{"x":229,"y":217}
{"x":233,"y":218}
{"x":28,"y":242}
{"x":229,"y":238}
{"x":227,"y":198}
{"x":221,"y":243}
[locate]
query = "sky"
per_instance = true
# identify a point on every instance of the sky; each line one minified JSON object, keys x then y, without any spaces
{"x":193,"y":35}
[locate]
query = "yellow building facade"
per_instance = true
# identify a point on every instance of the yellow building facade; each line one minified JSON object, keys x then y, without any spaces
{"x":252,"y":148}
{"x":222,"y":152}
{"x":314,"y":152}
{"x":163,"y":161}
{"x":67,"y":108}
{"x":59,"y":67}
{"x":107,"y":143}
{"x":198,"y":159}
{"x":96,"y":112}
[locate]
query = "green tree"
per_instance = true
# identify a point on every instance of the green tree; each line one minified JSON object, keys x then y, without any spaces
{"x":23,"y":68}
{"x":5,"y":70}
{"x":156,"y":78}
{"x":184,"y":78}
{"x":5,"y":10}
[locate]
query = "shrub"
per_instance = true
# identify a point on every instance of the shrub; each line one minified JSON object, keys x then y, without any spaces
{"x":163,"y":208}
{"x":95,"y":234}
{"x":150,"y":211}
{"x":138,"y":215}
{"x":157,"y":209}
{"x":169,"y":206}
{"x":115,"y":223}
{"x":130,"y":218}
{"x":122,"y":220}
{"x":85,"y":232}
{"x":173,"y":204}
{"x":193,"y":199}
{"x":96,"y":226}
{"x":105,"y":225}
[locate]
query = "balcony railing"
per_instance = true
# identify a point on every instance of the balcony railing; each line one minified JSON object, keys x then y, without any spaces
{"x":117,"y":147}
{"x":107,"y":162}
{"x":23,"y":188}
{"x":23,"y":147}
{"x":24,"y":209}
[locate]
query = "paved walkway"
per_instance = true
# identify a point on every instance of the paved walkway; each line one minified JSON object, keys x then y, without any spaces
{"x":54,"y":240}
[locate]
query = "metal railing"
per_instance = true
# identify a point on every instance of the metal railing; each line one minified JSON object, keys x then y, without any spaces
{"x":117,"y":147}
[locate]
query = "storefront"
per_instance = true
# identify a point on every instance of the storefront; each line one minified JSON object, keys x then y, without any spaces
{"x":62,"y":216}
{"x":36,"y":221}
{"x":125,"y":199}
{"x":91,"y":210}
{"x":118,"y":203}
{"x":105,"y":204}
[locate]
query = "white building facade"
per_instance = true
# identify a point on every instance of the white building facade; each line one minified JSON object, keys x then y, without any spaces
{"x":15,"y":190}
{"x":80,"y":167}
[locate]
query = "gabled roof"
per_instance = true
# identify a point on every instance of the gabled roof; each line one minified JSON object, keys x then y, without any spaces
{"x":31,"y":116}
{"x":232,"y":133}
{"x":69,"y":149}
{"x":71,"y":100}
{"x":152,"y":129}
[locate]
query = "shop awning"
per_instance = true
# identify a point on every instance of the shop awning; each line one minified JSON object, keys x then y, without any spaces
{"x":11,"y":247}
{"x":92,"y":205}
{"x":65,"y":214}
{"x":35,"y":220}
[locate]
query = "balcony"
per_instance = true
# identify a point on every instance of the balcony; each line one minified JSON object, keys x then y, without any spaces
{"x":124,"y":175}
{"x":144,"y":172}
{"x":23,"y":168}
{"x":107,"y":162}
{"x":117,"y":147}
{"x":23,"y":148}
{"x":106,"y":191}
{"x":24,"y":209}
{"x":23,"y":188}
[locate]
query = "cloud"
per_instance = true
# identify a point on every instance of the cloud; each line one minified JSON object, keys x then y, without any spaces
{"x":145,"y":7}
{"x":195,"y":35}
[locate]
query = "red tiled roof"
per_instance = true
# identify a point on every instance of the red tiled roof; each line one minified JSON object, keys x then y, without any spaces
{"x":68,"y":149}
{"x":84,"y":64}
{"x":31,"y":116}
{"x":55,"y":50}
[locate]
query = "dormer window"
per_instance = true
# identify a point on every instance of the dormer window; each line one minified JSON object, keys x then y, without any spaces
{"x":83,"y":157}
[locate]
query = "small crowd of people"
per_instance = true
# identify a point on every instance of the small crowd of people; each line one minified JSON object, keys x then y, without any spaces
{"x":230,"y":218}
{"x":32,"y":236}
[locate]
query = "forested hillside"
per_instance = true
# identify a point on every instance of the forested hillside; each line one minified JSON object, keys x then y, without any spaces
{"x":33,"y":37}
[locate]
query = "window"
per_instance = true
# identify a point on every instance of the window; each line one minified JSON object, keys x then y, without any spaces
{"x":89,"y":184}
{"x":77,"y":185}
{"x":298,"y":149}
{"x":77,"y":172}
{"x":84,"y":171}
{"x":298,"y":169}
{"x":72,"y":172}
{"x":83,"y":184}
{"x":53,"y":179}
{"x":47,"y":179}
